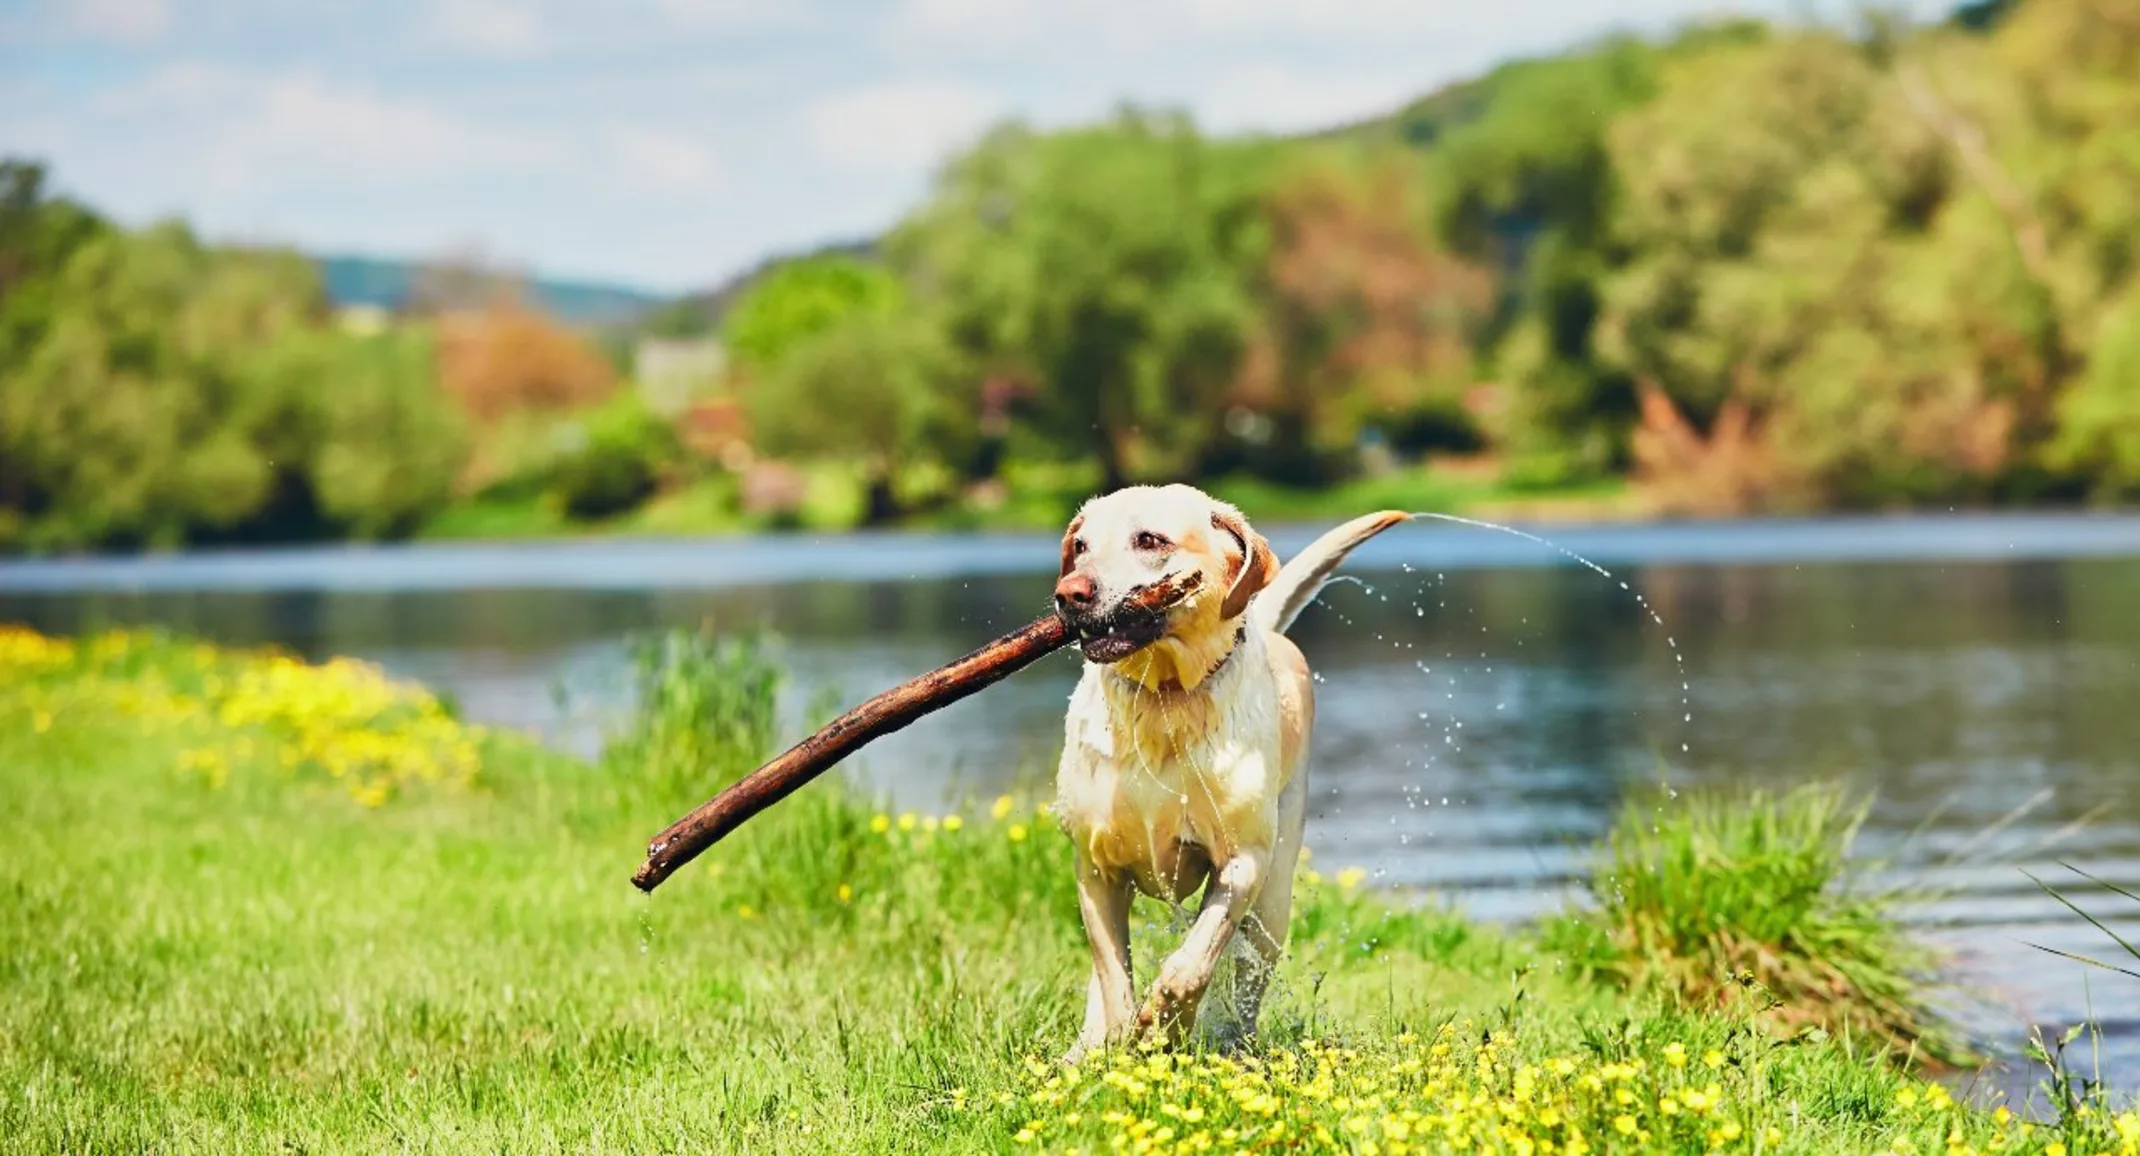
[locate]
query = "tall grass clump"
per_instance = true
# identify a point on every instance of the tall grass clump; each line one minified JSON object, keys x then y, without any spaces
{"x":706,"y":712}
{"x":1704,"y":897}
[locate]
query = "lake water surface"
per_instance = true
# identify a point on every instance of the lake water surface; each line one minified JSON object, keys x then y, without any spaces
{"x":1486,"y":704}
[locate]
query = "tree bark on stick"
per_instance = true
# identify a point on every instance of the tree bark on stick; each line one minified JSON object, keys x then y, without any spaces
{"x":882,"y":715}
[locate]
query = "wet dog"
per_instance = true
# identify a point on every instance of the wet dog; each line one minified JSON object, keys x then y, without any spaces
{"x":1184,"y":752}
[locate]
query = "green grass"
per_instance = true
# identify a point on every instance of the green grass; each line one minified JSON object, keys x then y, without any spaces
{"x":1699,"y":895}
{"x":1036,"y":496}
{"x":260,"y":961}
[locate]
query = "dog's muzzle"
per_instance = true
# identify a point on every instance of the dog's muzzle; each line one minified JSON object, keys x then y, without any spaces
{"x":1118,"y":634}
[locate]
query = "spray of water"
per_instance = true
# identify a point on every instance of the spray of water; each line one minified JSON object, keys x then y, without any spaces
{"x":1679,"y":660}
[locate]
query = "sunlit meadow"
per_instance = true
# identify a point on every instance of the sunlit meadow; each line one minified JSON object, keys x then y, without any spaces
{"x":256,"y":902}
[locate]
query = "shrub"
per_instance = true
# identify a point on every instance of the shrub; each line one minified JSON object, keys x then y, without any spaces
{"x":619,"y":463}
{"x":1701,"y":897}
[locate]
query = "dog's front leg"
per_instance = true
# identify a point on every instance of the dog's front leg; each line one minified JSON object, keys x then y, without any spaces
{"x":1186,"y":973}
{"x":1103,"y":899}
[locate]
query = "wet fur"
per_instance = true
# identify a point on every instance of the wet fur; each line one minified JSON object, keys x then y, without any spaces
{"x":1184,"y":762}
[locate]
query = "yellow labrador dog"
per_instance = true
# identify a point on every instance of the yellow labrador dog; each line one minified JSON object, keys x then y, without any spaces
{"x":1184,"y":750}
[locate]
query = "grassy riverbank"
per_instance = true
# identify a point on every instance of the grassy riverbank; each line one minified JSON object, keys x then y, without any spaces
{"x":1034,"y":497}
{"x":254,"y":904}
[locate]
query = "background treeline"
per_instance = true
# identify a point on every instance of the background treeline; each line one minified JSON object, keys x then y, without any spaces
{"x":1750,"y":268}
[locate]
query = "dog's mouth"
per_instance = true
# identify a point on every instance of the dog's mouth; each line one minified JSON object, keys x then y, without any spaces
{"x":1119,"y":635}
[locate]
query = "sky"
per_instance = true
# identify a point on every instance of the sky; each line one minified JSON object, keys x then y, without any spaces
{"x":667,"y":144}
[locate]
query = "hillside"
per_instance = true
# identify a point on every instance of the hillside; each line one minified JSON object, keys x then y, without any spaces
{"x":386,"y":283}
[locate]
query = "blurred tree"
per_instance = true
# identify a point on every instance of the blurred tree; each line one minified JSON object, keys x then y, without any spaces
{"x":117,"y":425}
{"x":1109,"y":266}
{"x":2099,"y":418}
{"x":879,"y":388}
{"x":365,"y":442}
{"x":799,"y":300}
{"x":1363,"y":323}
{"x":506,"y":358}
{"x":1526,"y":185}
{"x":624,"y":448}
{"x":1797,"y":245}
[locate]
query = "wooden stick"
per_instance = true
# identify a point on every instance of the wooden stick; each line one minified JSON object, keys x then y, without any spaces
{"x":882,"y":715}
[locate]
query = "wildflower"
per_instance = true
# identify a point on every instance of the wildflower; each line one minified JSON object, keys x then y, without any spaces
{"x":1624,"y":1124}
{"x":847,"y":893}
{"x":881,"y":824}
{"x":1713,"y":1059}
{"x":908,"y":821}
{"x":953,"y":822}
{"x":1017,"y":832}
{"x":1003,"y":806}
{"x":1675,"y":1054}
{"x":1351,"y":877}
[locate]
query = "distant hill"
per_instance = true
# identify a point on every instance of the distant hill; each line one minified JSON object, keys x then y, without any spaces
{"x":386,"y":283}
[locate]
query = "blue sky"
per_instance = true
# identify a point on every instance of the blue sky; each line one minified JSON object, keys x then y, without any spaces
{"x":669,"y":143}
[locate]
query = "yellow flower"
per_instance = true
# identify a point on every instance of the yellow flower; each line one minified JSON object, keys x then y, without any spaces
{"x":1675,"y":1054}
{"x":881,"y":824}
{"x":847,"y":893}
{"x":953,"y":822}
{"x":907,"y":821}
{"x":1351,"y":877}
{"x":1017,"y":832}
{"x":1624,"y":1124}
{"x":1713,"y":1058}
{"x":1003,"y":806}
{"x":2054,"y":1148}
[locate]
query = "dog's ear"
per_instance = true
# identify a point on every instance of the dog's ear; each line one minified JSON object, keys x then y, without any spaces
{"x":1255,"y":569}
{"x":1070,"y":545}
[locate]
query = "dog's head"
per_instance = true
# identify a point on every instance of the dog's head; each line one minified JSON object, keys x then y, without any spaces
{"x":1170,"y":538}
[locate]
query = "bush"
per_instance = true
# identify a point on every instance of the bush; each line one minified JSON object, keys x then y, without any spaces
{"x":624,"y":452}
{"x":1703,"y":897}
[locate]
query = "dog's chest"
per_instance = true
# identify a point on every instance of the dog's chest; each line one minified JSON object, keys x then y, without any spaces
{"x":1144,"y":774}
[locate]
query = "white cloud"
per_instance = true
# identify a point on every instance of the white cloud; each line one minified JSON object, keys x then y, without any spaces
{"x":122,"y":21}
{"x":236,"y":131}
{"x":505,"y":29}
{"x":1280,"y":98}
{"x":664,"y":164}
{"x":898,"y":128}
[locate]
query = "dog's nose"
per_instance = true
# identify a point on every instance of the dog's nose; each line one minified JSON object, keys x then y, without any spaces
{"x":1076,"y":592}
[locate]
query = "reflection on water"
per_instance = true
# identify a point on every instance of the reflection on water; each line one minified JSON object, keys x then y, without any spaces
{"x":1478,"y":723}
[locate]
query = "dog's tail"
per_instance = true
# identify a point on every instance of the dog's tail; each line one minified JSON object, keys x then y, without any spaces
{"x":1302,"y":578}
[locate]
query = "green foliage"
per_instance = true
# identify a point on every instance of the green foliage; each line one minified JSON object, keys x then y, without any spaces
{"x":154,"y":390}
{"x":881,"y":389}
{"x":1108,"y":265}
{"x":1698,"y":896}
{"x":623,"y":450}
{"x":361,"y":429}
{"x":802,"y":299}
{"x":2099,"y":418}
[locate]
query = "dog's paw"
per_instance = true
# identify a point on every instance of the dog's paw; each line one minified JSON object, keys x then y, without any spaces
{"x":1171,"y":1007}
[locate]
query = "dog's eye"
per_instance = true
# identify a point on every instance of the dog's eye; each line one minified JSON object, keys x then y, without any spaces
{"x":1146,"y":540}
{"x":1077,"y":547}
